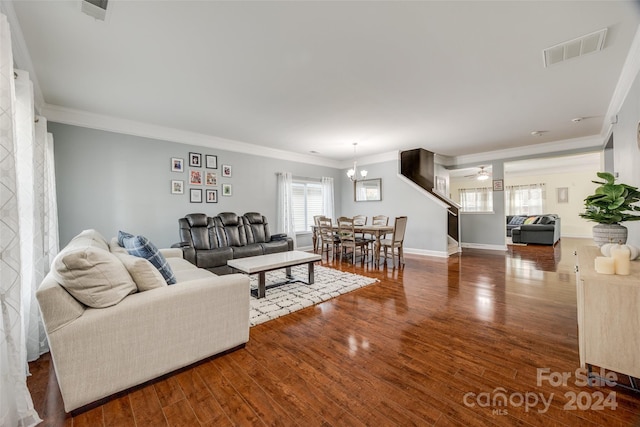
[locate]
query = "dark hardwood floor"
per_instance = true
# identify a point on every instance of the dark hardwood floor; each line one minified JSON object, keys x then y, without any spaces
{"x":434,"y":343}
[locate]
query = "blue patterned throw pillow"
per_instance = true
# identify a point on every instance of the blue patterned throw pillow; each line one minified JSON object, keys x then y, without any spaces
{"x":141,"y":247}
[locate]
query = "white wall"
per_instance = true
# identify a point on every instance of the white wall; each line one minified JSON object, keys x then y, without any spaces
{"x":579,"y":185}
{"x":627,"y":149}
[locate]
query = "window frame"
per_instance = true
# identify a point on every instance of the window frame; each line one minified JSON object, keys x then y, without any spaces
{"x":308,"y":217}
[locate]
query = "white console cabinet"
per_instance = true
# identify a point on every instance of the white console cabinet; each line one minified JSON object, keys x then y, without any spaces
{"x":608,"y":315}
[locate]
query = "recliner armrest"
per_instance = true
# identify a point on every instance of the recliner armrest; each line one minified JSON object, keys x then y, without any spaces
{"x":181,"y":245}
{"x":281,"y":236}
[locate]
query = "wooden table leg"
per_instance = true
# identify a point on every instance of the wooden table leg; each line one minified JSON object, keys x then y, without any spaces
{"x":376,"y":250}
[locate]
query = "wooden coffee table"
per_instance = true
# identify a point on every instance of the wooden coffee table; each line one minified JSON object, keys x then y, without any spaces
{"x":263,"y":263}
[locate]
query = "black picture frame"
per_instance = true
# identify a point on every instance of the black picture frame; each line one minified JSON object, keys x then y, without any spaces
{"x":195,"y":195}
{"x":211,"y":161}
{"x":211,"y":196}
{"x":195,"y":160}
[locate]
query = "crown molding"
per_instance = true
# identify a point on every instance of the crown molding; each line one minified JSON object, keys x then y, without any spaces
{"x":55,"y":113}
{"x":21,"y":56}
{"x":369,"y":160}
{"x":546,"y":148}
{"x":628,"y":75}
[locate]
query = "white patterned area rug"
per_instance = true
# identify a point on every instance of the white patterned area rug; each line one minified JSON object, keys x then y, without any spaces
{"x":285,"y":299}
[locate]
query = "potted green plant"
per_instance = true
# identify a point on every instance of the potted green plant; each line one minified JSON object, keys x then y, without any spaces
{"x":610,"y":205}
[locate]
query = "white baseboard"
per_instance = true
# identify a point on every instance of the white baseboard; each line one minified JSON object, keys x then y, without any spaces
{"x":304,"y":248}
{"x":425,"y":252}
{"x":483,"y":246}
{"x":577,"y":236}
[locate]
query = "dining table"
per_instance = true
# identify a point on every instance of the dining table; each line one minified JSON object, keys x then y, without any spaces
{"x":377,"y":231}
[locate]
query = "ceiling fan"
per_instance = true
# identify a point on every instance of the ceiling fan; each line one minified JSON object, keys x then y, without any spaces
{"x":481,"y":175}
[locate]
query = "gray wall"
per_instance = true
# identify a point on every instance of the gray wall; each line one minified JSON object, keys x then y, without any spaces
{"x":427,"y":222}
{"x":110,"y":182}
{"x":627,"y":149}
{"x":489,"y":228}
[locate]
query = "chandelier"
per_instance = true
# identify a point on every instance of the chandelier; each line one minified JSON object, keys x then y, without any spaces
{"x":353,"y":172}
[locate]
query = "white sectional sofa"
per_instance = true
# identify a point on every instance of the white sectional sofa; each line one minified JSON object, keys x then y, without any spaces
{"x":113,"y":322}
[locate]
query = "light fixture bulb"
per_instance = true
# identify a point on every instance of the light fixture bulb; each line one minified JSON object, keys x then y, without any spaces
{"x":352,"y":173}
{"x":483,"y":177}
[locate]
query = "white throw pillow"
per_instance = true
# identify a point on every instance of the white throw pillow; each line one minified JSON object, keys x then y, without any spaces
{"x":145,"y":275}
{"x":93,"y":276}
{"x":114,"y":247}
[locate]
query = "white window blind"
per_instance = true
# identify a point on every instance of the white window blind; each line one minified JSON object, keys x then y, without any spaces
{"x":307,"y":202}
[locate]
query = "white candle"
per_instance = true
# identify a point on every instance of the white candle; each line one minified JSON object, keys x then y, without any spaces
{"x":622,"y":261}
{"x":605,"y":265}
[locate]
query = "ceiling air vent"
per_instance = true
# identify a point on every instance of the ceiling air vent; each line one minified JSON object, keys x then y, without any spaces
{"x":573,"y":48}
{"x":95,"y":8}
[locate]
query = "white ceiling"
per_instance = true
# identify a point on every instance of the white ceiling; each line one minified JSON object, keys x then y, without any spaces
{"x":455,"y":77}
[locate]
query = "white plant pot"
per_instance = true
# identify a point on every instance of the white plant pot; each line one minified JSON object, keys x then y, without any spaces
{"x":609,"y":233}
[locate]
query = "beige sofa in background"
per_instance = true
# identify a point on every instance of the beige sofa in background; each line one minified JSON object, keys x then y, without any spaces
{"x":141,"y":330}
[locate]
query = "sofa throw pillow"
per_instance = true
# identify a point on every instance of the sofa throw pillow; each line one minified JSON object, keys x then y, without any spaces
{"x":516,"y":220}
{"x":114,"y":247}
{"x":531,"y":220}
{"x":141,"y":247}
{"x":544,"y":220}
{"x":93,"y":276}
{"x":123,"y":235}
{"x":142,"y":272}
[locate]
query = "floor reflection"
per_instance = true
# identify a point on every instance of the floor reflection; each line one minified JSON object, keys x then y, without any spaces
{"x":535,"y":257}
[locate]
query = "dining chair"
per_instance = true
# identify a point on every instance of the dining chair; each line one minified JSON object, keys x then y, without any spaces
{"x":380,"y":220}
{"x":329,"y":241}
{"x":360,"y":220}
{"x":316,"y":232}
{"x":348,"y":239}
{"x":396,"y":241}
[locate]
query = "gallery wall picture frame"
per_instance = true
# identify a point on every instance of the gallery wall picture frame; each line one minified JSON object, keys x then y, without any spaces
{"x":195,"y":160}
{"x":498,"y":185}
{"x":211,"y":161}
{"x":211,"y":179}
{"x":177,"y":187}
{"x":211,"y":196}
{"x":177,"y":164}
{"x":227,"y":190}
{"x":563,"y":194}
{"x":195,"y":177}
{"x":226,"y":171}
{"x":195,"y":195}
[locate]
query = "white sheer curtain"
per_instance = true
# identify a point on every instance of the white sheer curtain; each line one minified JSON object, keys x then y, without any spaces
{"x":36,"y":209}
{"x":286,"y":222}
{"x":525,"y":199}
{"x":16,"y":406}
{"x":476,"y":199}
{"x":328,"y":209}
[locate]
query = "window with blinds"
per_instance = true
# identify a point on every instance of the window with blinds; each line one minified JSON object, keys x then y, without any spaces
{"x":307,"y":202}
